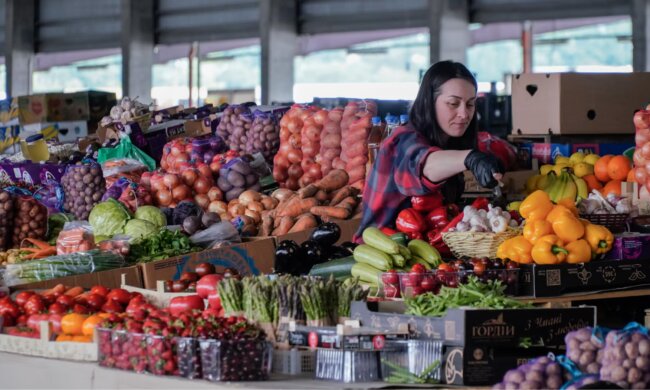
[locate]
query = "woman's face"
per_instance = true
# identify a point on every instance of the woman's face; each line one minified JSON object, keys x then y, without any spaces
{"x":455,"y":106}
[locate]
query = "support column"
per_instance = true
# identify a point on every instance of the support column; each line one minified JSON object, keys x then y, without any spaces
{"x":640,"y":35}
{"x":137,"y":48}
{"x":449,"y":33}
{"x":20,"y":19}
{"x":527,"y":45}
{"x":278,"y":40}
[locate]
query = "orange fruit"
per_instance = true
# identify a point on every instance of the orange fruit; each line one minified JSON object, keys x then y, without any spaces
{"x":592,"y":182}
{"x":631,"y":178}
{"x":64,"y":337}
{"x":600,"y":168}
{"x":618,"y":167}
{"x":612,"y":187}
{"x":72,"y":323}
{"x":90,"y":323}
{"x":82,"y":339}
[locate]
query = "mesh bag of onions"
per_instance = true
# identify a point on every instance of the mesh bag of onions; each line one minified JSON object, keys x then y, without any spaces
{"x":83,"y":187}
{"x":626,"y":357}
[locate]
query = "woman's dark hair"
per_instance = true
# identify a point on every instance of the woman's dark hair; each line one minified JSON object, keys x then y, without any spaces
{"x":423,"y":113}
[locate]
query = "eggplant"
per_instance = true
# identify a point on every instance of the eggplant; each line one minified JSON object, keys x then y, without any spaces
{"x":288,"y":257}
{"x":336,"y":252}
{"x":313,"y":253}
{"x":349,"y":245}
{"x":327,"y":234}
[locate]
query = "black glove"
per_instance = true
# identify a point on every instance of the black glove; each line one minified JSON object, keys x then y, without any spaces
{"x":483,"y":166}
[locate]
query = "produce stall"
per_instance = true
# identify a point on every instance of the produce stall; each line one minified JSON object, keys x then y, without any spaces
{"x":214,"y":247}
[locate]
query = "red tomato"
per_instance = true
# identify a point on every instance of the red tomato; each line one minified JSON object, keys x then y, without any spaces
{"x":207,"y":285}
{"x":56,"y":308}
{"x":80,"y":309}
{"x":99,"y":290}
{"x":179,"y":305}
{"x":214,"y":301}
{"x":418,"y":268}
{"x":65,"y":300}
{"x":445,"y":267}
{"x":22,"y":320}
{"x":204,"y":269}
{"x":23,"y":296}
{"x":34,"y":320}
{"x":34,"y":305}
{"x":95,"y":301}
{"x":120,"y":295}
{"x":190,"y":276}
{"x":55,"y":321}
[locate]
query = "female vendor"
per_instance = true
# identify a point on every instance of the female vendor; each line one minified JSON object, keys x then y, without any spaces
{"x":429,"y":154}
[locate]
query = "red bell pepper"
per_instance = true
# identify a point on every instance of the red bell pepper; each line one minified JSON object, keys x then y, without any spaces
{"x":410,"y":221}
{"x":434,"y":238}
{"x":426,"y":202}
{"x":414,"y":235}
{"x":388,"y":231}
{"x":438,"y":218}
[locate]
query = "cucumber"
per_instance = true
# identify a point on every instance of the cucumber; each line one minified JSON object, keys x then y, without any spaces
{"x":338,"y":267}
{"x":375,"y":257}
{"x":378,"y":240}
{"x":400,"y":238}
{"x":367,"y":273}
{"x":425,"y":251}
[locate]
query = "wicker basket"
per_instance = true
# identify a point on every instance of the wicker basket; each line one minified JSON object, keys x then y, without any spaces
{"x":616,"y":223}
{"x":475,"y":244}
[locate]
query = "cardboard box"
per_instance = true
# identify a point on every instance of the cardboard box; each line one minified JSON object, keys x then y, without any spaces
{"x":577,"y":103}
{"x":68,"y":131}
{"x":60,"y":107}
{"x":484,"y":365}
{"x":547,"y":153}
{"x":248,"y":258}
{"x":602,"y":149}
{"x":602,"y":275}
{"x":472,"y":327}
{"x":630,"y":246}
{"x":111,"y":279}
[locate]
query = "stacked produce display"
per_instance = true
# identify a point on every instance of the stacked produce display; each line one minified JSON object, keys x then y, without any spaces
{"x":287,"y":182}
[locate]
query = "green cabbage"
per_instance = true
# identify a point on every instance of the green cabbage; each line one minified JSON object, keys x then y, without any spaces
{"x":151,"y":214}
{"x":139,"y":228}
{"x":108,"y":218}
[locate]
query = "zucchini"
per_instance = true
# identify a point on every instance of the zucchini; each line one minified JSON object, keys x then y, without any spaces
{"x":406,"y":252}
{"x":378,"y":240}
{"x":367,"y":273}
{"x":398,"y":260}
{"x":400,"y":238}
{"x":337,"y":267}
{"x":371,"y":256}
{"x":425,"y":251}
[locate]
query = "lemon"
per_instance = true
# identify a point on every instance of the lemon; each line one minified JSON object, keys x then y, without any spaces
{"x":545,"y":169}
{"x":591,"y":159}
{"x":563,"y":160}
{"x":560,"y":167}
{"x":583,"y":169}
{"x":577,"y":157}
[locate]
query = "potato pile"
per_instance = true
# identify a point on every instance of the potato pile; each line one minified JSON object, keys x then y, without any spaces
{"x":541,"y":373}
{"x":83,"y":187}
{"x":263,"y":136}
{"x":585,"y":350}
{"x":626,"y":359}
{"x":31,"y":220}
{"x":236,"y":177}
{"x":6,"y":219}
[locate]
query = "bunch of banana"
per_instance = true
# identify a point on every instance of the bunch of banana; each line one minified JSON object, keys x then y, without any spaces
{"x":564,"y":185}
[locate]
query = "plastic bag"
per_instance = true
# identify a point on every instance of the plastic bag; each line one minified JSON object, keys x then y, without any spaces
{"x":51,"y":195}
{"x":129,"y":193}
{"x":76,"y":236}
{"x":126,"y":149}
{"x":60,"y":266}
{"x":123,"y":167}
{"x":119,"y":245}
{"x":216,"y":234}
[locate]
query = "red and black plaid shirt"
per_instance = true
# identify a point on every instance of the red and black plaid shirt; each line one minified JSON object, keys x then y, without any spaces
{"x":396,"y":176}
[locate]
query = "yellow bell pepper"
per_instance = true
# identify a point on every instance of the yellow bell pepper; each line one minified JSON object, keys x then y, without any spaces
{"x":536,"y":206}
{"x":569,"y":204}
{"x":516,"y":249}
{"x":584,"y":222}
{"x":533,"y":230}
{"x":579,"y":252}
{"x":600,"y":239}
{"x":568,"y":228}
{"x":558,"y":211}
{"x":549,"y":250}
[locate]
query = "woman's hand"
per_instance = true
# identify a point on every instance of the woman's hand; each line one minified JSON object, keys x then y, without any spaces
{"x":484,"y":167}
